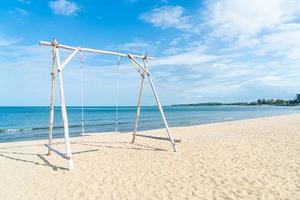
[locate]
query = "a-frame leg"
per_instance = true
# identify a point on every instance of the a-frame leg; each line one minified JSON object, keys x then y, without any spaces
{"x":51,"y":117}
{"x":160,"y":107}
{"x":162,"y":114}
{"x":146,"y":71}
{"x":138,"y":109}
{"x":64,"y":114}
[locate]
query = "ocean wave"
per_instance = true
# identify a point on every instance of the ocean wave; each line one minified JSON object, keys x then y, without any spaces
{"x":16,"y":130}
{"x":228,"y":118}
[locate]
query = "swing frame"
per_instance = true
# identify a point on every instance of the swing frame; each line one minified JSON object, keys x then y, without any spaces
{"x":142,"y":70}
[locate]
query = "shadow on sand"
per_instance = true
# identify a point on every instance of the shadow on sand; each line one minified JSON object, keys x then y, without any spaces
{"x":114,"y":145}
{"x":43,"y":157}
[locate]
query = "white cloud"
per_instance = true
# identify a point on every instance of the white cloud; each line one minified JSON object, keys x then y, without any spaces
{"x":247,"y":18}
{"x":284,"y":42}
{"x":22,"y":12}
{"x":167,"y":17}
{"x":268,"y":28}
{"x":249,"y":50}
{"x":64,"y":7}
{"x":186,"y":58}
{"x":7,"y":41}
{"x":135,"y":44}
{"x":29,"y":66}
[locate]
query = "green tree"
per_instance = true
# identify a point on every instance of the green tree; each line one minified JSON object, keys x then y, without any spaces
{"x":259,"y":101}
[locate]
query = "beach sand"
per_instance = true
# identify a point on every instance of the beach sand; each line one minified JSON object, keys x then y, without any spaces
{"x":247,"y":159}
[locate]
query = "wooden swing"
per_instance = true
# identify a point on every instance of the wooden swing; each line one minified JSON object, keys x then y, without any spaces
{"x":82,"y":66}
{"x":141,"y":68}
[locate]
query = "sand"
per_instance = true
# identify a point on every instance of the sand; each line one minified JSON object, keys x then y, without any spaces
{"x":247,"y":159}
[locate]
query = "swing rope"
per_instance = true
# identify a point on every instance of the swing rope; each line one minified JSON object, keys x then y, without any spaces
{"x":117,"y":94}
{"x":81,"y":92}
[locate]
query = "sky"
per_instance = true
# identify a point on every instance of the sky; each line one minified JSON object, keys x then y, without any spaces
{"x":206,"y":51}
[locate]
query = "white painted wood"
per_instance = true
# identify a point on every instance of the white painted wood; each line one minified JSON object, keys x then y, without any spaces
{"x":142,"y":70}
{"x":90,"y":50}
{"x":64,"y":113}
{"x":136,"y":63}
{"x":138,"y":110}
{"x":136,"y":67}
{"x":160,"y":109}
{"x":68,"y":59}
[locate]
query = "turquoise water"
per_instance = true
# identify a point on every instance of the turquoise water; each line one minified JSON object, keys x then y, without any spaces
{"x":29,"y":123}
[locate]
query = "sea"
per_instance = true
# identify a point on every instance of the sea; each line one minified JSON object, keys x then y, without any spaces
{"x":31,"y":123}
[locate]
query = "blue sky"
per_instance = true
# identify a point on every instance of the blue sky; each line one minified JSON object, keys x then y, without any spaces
{"x":214,"y":50}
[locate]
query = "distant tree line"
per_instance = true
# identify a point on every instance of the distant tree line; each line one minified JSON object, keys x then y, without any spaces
{"x":276,"y":102}
{"x":279,"y":102}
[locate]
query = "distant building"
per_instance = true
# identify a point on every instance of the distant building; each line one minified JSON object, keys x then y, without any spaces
{"x":298,"y":97}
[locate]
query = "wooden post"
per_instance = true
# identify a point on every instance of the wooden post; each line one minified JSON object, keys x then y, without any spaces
{"x":138,"y":109}
{"x":64,"y":113}
{"x":51,"y":118}
{"x":160,"y":109}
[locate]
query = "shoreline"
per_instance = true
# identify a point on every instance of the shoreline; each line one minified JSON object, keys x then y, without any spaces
{"x":157,"y":129}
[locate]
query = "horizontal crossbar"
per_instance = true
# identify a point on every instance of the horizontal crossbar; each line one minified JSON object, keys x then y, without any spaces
{"x":44,"y":43}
